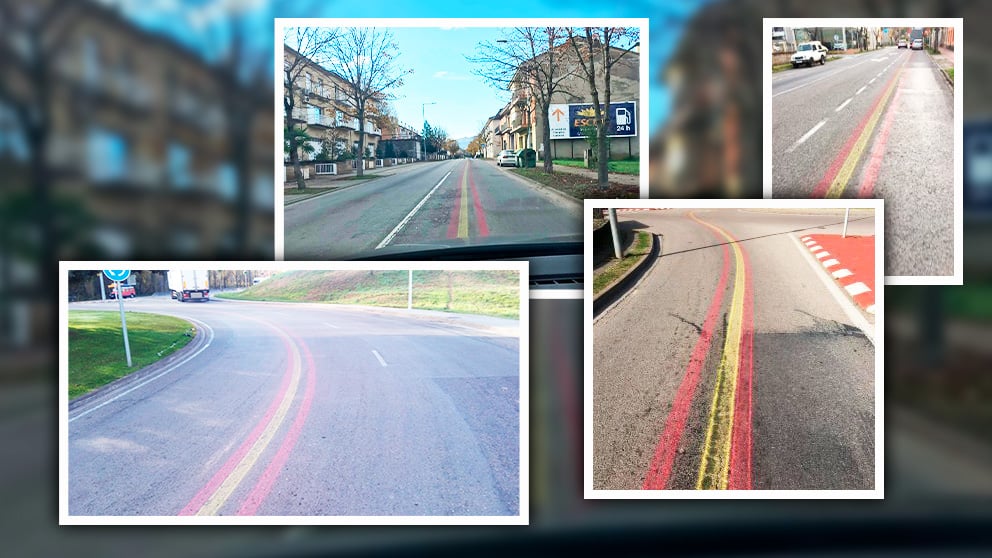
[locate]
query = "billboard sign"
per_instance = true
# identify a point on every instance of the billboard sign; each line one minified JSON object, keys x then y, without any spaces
{"x":567,"y":121}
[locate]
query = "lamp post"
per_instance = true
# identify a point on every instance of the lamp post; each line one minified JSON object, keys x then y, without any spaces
{"x":423,"y":136}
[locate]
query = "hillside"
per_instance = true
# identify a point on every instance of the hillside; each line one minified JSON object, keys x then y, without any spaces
{"x":494,"y":293}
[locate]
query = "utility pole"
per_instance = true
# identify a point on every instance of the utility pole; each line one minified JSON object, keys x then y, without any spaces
{"x":616,"y":233}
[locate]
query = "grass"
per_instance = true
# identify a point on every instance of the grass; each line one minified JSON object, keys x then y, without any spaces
{"x":781,"y":67}
{"x":622,"y":167}
{"x":617,"y":268}
{"x":579,"y":187}
{"x":950,"y":74}
{"x":96,"y":345}
{"x":490,"y":293}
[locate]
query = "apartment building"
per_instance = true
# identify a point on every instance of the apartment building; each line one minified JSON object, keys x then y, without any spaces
{"x":322,"y":107}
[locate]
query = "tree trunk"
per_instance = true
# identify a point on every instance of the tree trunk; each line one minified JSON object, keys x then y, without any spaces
{"x":604,"y":153}
{"x":546,"y":140}
{"x":294,"y":157}
{"x":361,"y":143}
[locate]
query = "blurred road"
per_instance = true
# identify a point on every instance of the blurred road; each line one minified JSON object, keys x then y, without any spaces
{"x":307,"y":410}
{"x":878,"y":124}
{"x":731,"y":365}
{"x":427,"y":205}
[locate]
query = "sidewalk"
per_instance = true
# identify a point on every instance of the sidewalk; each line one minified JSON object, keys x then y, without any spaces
{"x":945,"y":58}
{"x":329,"y":183}
{"x":615,"y":177}
{"x":850,"y":261}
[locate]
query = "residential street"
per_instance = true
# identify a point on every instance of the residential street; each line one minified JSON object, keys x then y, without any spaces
{"x":878,"y":124}
{"x":430,"y":205}
{"x":307,"y":409}
{"x":731,"y":364}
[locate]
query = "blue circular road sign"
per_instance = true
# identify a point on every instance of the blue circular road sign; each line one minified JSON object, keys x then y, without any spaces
{"x":117,"y":274}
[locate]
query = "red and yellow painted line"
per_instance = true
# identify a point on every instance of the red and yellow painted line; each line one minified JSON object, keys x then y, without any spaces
{"x":726,"y":453}
{"x":466,"y":204}
{"x":838,"y":175}
{"x":218,"y":490}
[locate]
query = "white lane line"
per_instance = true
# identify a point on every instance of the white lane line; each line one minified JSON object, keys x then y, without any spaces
{"x":809,"y":242}
{"x":862,"y":89}
{"x":830,"y":262}
{"x":880,"y":73}
{"x":821,"y":255}
{"x":871,"y":81}
{"x":379,"y":357}
{"x":842,"y":273}
{"x":328,"y":324}
{"x":805,"y":238}
{"x":844,"y":104}
{"x":806,"y":136}
{"x":815,"y":248}
{"x":391,"y":235}
{"x":854,"y":289}
{"x":210,"y":338}
{"x":823,"y":77}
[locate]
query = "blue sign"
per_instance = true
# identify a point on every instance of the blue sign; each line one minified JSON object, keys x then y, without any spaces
{"x":117,"y":274}
{"x":622,"y":119}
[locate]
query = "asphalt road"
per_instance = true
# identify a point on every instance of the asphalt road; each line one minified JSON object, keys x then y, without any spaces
{"x":448,"y":203}
{"x":789,"y":405}
{"x":308,"y":410}
{"x":879,"y":124}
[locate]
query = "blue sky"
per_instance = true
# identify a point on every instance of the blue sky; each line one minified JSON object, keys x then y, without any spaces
{"x":204,"y":25}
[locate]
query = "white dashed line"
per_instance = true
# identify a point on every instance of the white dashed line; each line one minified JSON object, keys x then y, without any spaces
{"x":821,"y":255}
{"x":871,"y":81}
{"x":806,"y":136}
{"x":331,"y":325}
{"x":862,"y":89}
{"x":841,"y":273}
{"x":870,"y":309}
{"x":830,"y":262}
{"x":379,"y":357}
{"x":815,"y":247}
{"x":854,"y":289}
{"x":844,"y":104}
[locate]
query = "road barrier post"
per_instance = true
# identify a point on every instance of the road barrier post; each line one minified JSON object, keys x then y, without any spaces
{"x":847,"y":214}
{"x":616,"y":233}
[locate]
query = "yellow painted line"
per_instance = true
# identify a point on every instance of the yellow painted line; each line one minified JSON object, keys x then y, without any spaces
{"x":237,"y":475}
{"x":463,"y":210}
{"x":847,"y":169}
{"x":715,"y":462}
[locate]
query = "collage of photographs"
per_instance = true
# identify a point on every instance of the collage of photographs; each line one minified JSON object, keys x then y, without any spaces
{"x":602,"y":262}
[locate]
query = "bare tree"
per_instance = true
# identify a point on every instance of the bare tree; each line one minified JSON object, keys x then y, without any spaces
{"x":527,"y":60}
{"x":602,"y":41}
{"x":366,"y":58}
{"x":310,"y":47}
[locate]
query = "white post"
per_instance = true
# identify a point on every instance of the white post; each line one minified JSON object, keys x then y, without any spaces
{"x":847,"y":214}
{"x":616,"y":233}
{"x":120,"y":303}
{"x":409,"y":292}
{"x":103,"y":288}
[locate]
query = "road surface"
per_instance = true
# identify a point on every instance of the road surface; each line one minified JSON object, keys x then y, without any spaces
{"x":731,"y":365}
{"x":879,"y":124}
{"x":307,"y":410}
{"x":427,"y":205}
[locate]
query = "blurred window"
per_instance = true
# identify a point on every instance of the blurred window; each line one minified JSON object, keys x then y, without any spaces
{"x":13,"y":143}
{"x":91,"y":60}
{"x":179,"y":166}
{"x":263,"y":191}
{"x":106,"y":154}
{"x":227,"y":181}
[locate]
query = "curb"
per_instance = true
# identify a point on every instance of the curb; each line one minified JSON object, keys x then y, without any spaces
{"x":327,"y":191}
{"x":614,"y":291}
{"x":857,"y":291}
{"x":940,"y":70}
{"x":198,"y":341}
{"x":563,"y":195}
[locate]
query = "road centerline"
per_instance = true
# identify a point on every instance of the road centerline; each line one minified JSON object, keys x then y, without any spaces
{"x":379,"y":358}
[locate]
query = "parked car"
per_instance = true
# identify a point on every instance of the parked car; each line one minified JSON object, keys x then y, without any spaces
{"x":840,"y":45}
{"x":506,"y":157}
{"x":917,"y":44}
{"x":127,"y":291}
{"x":808,"y":53}
{"x":902,"y":44}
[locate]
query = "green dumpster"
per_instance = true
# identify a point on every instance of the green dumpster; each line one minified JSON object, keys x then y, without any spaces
{"x":526,"y":158}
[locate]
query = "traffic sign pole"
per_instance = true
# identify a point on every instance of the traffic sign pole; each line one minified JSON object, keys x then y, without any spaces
{"x":127,"y":344}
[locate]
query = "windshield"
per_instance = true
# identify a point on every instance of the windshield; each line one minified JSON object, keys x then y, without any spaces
{"x":806,"y":46}
{"x":361,"y":190}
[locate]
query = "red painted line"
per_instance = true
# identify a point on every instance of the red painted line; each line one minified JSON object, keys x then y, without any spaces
{"x":668,"y":444}
{"x":453,"y":220}
{"x":878,"y":151}
{"x":824,"y":184}
{"x":739,"y":476}
{"x":857,"y":255}
{"x":271,"y":473}
{"x":208,"y":489}
{"x":480,"y":214}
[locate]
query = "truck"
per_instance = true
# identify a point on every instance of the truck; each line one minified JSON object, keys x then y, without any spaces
{"x":189,"y":284}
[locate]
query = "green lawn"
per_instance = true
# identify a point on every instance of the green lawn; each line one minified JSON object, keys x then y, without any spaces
{"x":580,"y":187}
{"x":615,"y":269}
{"x":491,"y":293}
{"x":622,"y":167}
{"x":96,"y":345}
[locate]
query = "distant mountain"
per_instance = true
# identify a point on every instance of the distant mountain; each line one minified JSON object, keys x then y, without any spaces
{"x":463,"y":142}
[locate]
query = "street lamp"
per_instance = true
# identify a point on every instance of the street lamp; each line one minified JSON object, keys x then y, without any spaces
{"x":423,"y":136}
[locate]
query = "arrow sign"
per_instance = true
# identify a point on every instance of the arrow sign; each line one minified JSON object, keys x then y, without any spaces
{"x":117,"y":274}
{"x":558,"y":113}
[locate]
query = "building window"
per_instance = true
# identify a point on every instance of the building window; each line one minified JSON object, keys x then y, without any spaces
{"x":227,"y":181}
{"x":106,"y":155}
{"x":179,"y":166}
